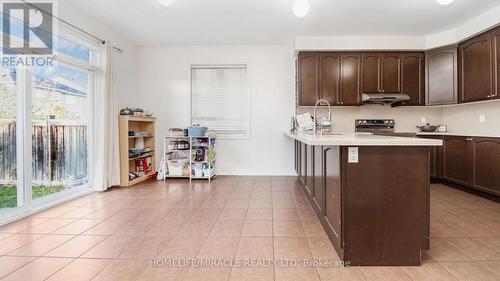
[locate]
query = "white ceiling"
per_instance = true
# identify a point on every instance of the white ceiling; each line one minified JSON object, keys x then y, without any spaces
{"x":191,"y":22}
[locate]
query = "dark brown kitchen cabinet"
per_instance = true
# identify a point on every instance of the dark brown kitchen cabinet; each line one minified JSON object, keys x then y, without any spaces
{"x":495,"y":40}
{"x":319,"y":187}
{"x":381,"y":73}
{"x":441,"y":76}
{"x":310,"y":169}
{"x":350,"y":79}
{"x":333,"y":196}
{"x":435,"y":153}
{"x":391,"y":73}
{"x":297,"y":157}
{"x":303,"y":163}
{"x":308,"y":78}
{"x":475,"y":64}
{"x":413,"y":78}
{"x":472,"y":162}
{"x":485,"y":164}
{"x":433,"y":162}
{"x":339,"y":78}
{"x":370,"y":73}
{"x":330,"y":73}
{"x":456,"y":159}
{"x":373,"y":219}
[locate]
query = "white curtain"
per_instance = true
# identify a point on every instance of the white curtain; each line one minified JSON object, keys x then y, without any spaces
{"x":106,"y":172}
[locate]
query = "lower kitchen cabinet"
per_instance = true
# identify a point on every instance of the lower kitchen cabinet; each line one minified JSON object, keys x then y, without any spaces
{"x":296,"y":157}
{"x":333,"y":204}
{"x":472,"y":162}
{"x":456,"y":159}
{"x":303,"y":163}
{"x":319,"y":185}
{"x":434,"y":162}
{"x":310,"y":169}
{"x":371,"y":219}
{"x":485,"y":164}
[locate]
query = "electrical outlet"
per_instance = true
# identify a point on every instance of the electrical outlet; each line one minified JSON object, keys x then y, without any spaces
{"x":353,"y":155}
{"x":423,"y":120}
{"x":482,"y":118}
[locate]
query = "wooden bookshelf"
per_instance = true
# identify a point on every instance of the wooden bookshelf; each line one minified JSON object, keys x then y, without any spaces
{"x":127,"y":164}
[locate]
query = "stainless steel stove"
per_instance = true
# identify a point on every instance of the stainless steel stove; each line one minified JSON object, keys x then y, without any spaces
{"x":375,"y":126}
{"x":379,"y":127}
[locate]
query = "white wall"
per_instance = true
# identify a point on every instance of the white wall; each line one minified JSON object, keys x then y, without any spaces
{"x":125,"y":74}
{"x":373,"y":42}
{"x":164,"y":81}
{"x":468,"y":29}
{"x":305,"y":43}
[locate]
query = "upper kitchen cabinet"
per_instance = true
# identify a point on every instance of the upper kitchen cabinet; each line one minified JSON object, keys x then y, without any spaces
{"x":308,"y":78}
{"x":330,"y":77}
{"x":441,"y":76}
{"x":391,"y":73}
{"x":370,"y":73}
{"x":476,"y":66}
{"x":413,"y":78}
{"x":350,"y":82}
{"x":495,"y":40}
{"x":381,"y":73}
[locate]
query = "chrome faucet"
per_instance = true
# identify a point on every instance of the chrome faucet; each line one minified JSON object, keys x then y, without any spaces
{"x":327,"y":122}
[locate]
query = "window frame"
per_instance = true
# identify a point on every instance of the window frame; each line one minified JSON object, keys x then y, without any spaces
{"x":248,"y":135}
{"x":24,"y":141}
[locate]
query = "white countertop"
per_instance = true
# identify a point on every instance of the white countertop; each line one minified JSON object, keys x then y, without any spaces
{"x":361,"y":140}
{"x":457,"y":134}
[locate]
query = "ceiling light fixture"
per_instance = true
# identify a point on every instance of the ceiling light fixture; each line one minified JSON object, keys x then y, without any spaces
{"x":165,"y":3}
{"x":301,"y":8}
{"x":444,"y":3}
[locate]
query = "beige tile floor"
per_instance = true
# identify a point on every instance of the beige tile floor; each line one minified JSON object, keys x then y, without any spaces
{"x":113,"y":235}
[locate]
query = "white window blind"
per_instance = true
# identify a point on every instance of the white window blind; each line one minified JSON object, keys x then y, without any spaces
{"x":220,"y":99}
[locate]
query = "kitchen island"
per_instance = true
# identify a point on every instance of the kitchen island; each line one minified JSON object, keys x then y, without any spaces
{"x":371,"y":194}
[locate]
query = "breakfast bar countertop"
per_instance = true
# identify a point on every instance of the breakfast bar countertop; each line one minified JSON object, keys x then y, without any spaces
{"x":361,"y":140}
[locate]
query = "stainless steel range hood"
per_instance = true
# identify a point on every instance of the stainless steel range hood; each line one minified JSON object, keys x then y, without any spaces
{"x":389,"y":99}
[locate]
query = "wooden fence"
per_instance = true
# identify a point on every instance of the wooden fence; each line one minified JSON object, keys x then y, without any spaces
{"x":59,"y":152}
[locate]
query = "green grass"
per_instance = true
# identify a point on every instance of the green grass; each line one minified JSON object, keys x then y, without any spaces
{"x":8,"y":193}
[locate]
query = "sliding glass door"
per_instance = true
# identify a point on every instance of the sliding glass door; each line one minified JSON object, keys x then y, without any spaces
{"x":60,"y":121}
{"x":46,"y":116}
{"x":11,"y":192}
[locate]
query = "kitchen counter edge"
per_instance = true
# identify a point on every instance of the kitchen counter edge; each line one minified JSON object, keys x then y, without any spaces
{"x":362,"y":140}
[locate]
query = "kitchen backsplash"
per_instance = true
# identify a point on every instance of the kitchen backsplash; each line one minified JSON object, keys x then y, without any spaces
{"x":478,"y":118}
{"x":406,"y":117}
{"x":462,"y":119}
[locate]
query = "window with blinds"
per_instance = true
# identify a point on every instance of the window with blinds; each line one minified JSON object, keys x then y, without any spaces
{"x":220,"y":100}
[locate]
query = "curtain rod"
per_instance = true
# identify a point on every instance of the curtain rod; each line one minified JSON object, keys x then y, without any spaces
{"x":102,"y":41}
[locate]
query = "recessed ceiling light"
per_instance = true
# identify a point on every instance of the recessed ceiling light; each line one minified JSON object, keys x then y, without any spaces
{"x":165,"y":3}
{"x":444,"y":3}
{"x":301,"y":8}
